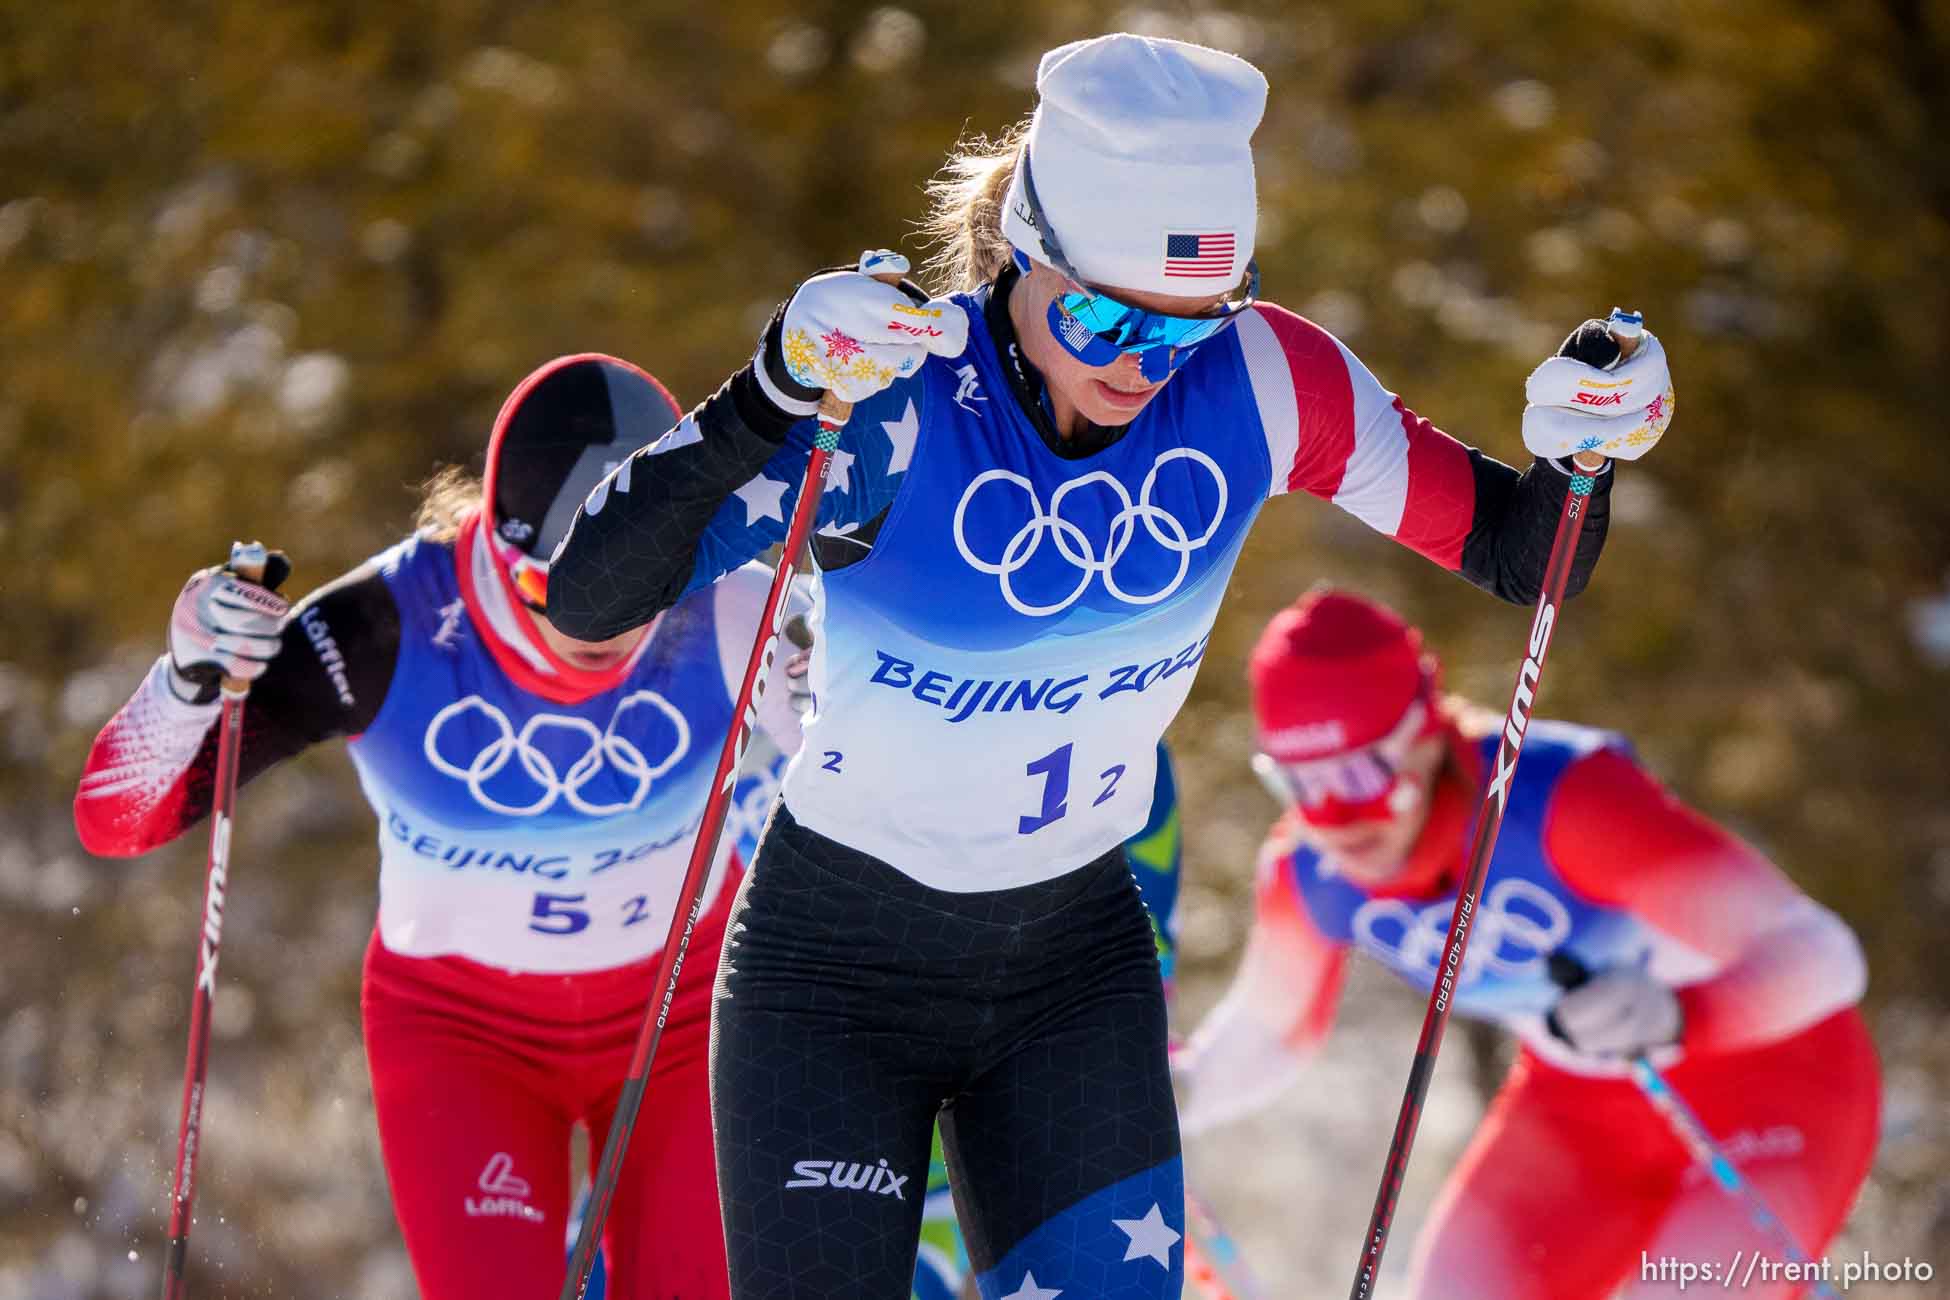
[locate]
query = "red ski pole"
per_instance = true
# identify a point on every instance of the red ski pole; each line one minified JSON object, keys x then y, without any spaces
{"x":1212,"y":1260}
{"x":247,"y":562}
{"x":833,"y":415}
{"x":1625,"y":329}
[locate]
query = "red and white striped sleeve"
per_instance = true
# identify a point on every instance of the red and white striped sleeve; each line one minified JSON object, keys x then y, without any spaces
{"x":1333,"y":431}
{"x":152,"y":770}
{"x":136,"y":787}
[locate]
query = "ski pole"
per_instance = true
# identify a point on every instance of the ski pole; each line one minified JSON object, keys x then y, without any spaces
{"x":1686,"y":1125}
{"x":249,"y":562}
{"x":1692,"y":1134}
{"x":833,"y":415}
{"x":598,"y":1285}
{"x":1212,"y":1260}
{"x":1626,"y":328}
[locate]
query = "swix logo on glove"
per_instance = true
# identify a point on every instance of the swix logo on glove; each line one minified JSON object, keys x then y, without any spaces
{"x":849,"y":1176}
{"x":1600,"y":399}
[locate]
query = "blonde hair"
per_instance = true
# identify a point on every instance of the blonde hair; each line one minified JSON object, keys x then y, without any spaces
{"x":964,"y":221}
{"x":446,"y":499}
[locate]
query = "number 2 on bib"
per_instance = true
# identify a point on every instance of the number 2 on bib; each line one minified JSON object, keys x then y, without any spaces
{"x":1054,"y":768}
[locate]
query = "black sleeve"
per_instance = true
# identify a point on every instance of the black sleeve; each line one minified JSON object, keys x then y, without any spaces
{"x":632,"y":556}
{"x":339,"y":646}
{"x":1515,"y":522}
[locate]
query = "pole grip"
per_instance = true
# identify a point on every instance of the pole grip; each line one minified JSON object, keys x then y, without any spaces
{"x":249,"y":561}
{"x":833,"y":412}
{"x":1626,"y":329}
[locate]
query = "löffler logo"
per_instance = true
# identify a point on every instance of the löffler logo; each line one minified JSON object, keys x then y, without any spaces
{"x":329,"y":656}
{"x":505,"y":1195}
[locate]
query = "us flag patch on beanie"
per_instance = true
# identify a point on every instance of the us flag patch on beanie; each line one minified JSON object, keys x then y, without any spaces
{"x":1198,"y":254}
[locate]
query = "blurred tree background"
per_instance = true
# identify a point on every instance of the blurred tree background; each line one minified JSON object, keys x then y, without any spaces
{"x":263,"y":267}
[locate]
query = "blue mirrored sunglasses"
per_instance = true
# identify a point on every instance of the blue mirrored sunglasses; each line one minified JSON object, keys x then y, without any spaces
{"x":1097,"y":329}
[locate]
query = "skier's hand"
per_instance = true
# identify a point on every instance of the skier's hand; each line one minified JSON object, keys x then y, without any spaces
{"x":1619,"y":1012}
{"x":850,"y":334}
{"x":1221,"y":1077}
{"x":224,"y":625}
{"x":1586,"y":399}
{"x":1184,"y":1079}
{"x":798,"y":684}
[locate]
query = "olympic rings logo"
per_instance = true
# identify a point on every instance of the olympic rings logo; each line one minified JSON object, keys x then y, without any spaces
{"x":607,"y":749}
{"x":1516,"y":928}
{"x":1076,"y":546}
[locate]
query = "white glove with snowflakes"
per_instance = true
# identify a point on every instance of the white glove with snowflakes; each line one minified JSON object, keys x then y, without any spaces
{"x":1618,"y":1012}
{"x":222,"y":626}
{"x":1578,"y":403}
{"x":850,"y":334}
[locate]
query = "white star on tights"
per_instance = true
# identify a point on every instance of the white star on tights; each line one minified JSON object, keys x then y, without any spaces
{"x":1030,"y":1291}
{"x":902,"y":433}
{"x":764,"y":498}
{"x":1151,"y":1237}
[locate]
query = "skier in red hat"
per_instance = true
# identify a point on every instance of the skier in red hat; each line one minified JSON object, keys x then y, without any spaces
{"x":1614,"y":922}
{"x":536,"y":798}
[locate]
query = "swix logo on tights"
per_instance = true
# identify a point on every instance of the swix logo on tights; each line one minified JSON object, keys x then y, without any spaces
{"x":849,"y":1176}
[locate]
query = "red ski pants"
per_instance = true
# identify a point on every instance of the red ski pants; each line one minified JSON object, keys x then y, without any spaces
{"x":479,"y":1076}
{"x":1573,"y":1184}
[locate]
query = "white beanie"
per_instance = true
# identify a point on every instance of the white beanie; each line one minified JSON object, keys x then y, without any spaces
{"x":1141,"y":153}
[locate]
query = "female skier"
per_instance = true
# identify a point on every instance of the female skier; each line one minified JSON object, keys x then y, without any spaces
{"x":1022,"y":548}
{"x":536,"y":796}
{"x":1697,"y":950}
{"x":941,"y":1271}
